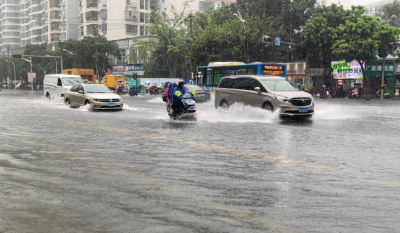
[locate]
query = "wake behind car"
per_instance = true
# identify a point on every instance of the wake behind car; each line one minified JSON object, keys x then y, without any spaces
{"x":98,"y":96}
{"x":267,"y":92}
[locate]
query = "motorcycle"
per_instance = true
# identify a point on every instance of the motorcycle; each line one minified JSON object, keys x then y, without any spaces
{"x":133,"y":92}
{"x":154,"y":90}
{"x":186,"y":111}
{"x":386,"y":94}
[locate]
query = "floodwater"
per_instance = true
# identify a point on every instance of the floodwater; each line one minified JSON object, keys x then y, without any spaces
{"x":74,"y":170}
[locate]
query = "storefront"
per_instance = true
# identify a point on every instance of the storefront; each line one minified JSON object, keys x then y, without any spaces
{"x":391,"y":75}
{"x":346,"y":75}
{"x":296,"y":73}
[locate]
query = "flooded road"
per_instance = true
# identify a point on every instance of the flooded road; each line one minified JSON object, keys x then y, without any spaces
{"x":74,"y":170}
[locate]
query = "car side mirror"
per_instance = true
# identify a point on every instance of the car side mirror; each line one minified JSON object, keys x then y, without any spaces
{"x":81,"y":92}
{"x":257,"y":89}
{"x":59,"y":84}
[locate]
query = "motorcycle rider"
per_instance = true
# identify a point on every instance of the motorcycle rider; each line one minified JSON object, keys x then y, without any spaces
{"x":175,"y":95}
{"x":120,"y":88}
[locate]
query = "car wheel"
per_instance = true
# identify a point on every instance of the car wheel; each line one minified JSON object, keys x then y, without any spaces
{"x":268,"y":107}
{"x":48,"y":95}
{"x":67,"y":102}
{"x":224,"y":104}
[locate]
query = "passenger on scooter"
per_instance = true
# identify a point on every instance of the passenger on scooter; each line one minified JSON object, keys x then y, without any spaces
{"x":120,"y":89}
{"x":178,"y":92}
{"x":166,"y":95}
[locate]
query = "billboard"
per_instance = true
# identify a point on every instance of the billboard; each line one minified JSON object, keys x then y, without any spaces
{"x":346,"y":70}
{"x":31,"y":77}
{"x":375,"y":68}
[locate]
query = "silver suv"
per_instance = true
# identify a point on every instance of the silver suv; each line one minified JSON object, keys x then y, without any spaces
{"x":268,"y":92}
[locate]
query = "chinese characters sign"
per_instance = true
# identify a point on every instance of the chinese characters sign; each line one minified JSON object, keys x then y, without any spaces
{"x":277,"y":70}
{"x":347,"y":70}
{"x":375,"y":68}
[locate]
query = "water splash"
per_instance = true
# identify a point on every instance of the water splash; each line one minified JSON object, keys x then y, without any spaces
{"x":328,"y":111}
{"x":129,"y":108}
{"x":238,"y":113}
{"x":157,"y":99}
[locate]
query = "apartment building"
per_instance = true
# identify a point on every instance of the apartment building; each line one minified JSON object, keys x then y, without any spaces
{"x":10,"y":38}
{"x":345,"y":3}
{"x":376,"y":7}
{"x":24,"y":22}
{"x":115,"y":19}
{"x":194,"y":6}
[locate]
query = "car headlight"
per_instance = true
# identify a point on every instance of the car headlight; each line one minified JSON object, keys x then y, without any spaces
{"x":96,"y":100}
{"x":282,"y":98}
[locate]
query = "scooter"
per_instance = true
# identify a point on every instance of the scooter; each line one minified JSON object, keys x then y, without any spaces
{"x":187,"y":111}
{"x":154,"y":90}
{"x":133,"y":92}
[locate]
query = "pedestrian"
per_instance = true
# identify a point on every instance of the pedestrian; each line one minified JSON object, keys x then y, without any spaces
{"x":341,"y":91}
{"x":314,"y":91}
{"x":323,"y":92}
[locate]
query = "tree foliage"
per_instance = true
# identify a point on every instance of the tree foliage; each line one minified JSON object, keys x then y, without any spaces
{"x":362,"y":38}
{"x":318,"y":36}
{"x":170,"y":55}
{"x":390,"y":13}
{"x":90,"y":52}
{"x":218,"y":35}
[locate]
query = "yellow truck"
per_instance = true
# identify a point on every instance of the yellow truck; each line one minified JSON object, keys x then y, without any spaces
{"x":113,"y":81}
{"x":86,"y":74}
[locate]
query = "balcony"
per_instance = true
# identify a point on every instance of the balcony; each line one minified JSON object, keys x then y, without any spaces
{"x":37,"y":39}
{"x":132,"y":15}
{"x":92,"y":30}
{"x":55,"y":4}
{"x":92,"y":16}
{"x":92,"y":4}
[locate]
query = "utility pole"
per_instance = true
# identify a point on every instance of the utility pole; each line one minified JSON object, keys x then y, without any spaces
{"x":96,"y":54}
{"x":191,"y":18}
{"x":383,"y":79}
{"x":15,"y":74}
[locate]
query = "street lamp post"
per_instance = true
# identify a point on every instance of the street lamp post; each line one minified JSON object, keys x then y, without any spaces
{"x":15,"y":74}
{"x":239,"y":16}
{"x":30,"y":61}
{"x":62,"y":60}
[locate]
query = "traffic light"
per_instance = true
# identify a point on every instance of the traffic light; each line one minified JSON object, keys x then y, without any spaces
{"x":267,"y":39}
{"x":17,"y":56}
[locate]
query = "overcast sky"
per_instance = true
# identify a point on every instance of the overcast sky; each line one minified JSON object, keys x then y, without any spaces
{"x":358,"y":2}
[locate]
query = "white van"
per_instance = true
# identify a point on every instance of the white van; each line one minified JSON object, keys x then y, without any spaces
{"x":56,"y":84}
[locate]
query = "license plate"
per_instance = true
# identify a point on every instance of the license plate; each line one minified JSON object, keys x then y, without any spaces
{"x":111,"y":105}
{"x":303,"y":110}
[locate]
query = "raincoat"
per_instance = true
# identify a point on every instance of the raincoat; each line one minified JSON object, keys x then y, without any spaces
{"x":177,"y":94}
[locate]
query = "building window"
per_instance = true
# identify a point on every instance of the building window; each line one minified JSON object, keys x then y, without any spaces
{"x":131,"y":29}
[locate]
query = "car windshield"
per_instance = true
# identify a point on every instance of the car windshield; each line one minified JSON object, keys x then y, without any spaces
{"x":279,"y":85}
{"x":97,"y":89}
{"x":71,"y":81}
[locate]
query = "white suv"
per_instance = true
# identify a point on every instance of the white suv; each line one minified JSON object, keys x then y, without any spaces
{"x":268,"y":92}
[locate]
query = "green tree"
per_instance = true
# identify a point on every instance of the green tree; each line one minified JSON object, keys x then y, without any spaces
{"x":390,"y":13}
{"x":357,"y":39}
{"x":170,"y":55}
{"x":90,"y":52}
{"x":318,"y":36}
{"x":388,"y":37}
